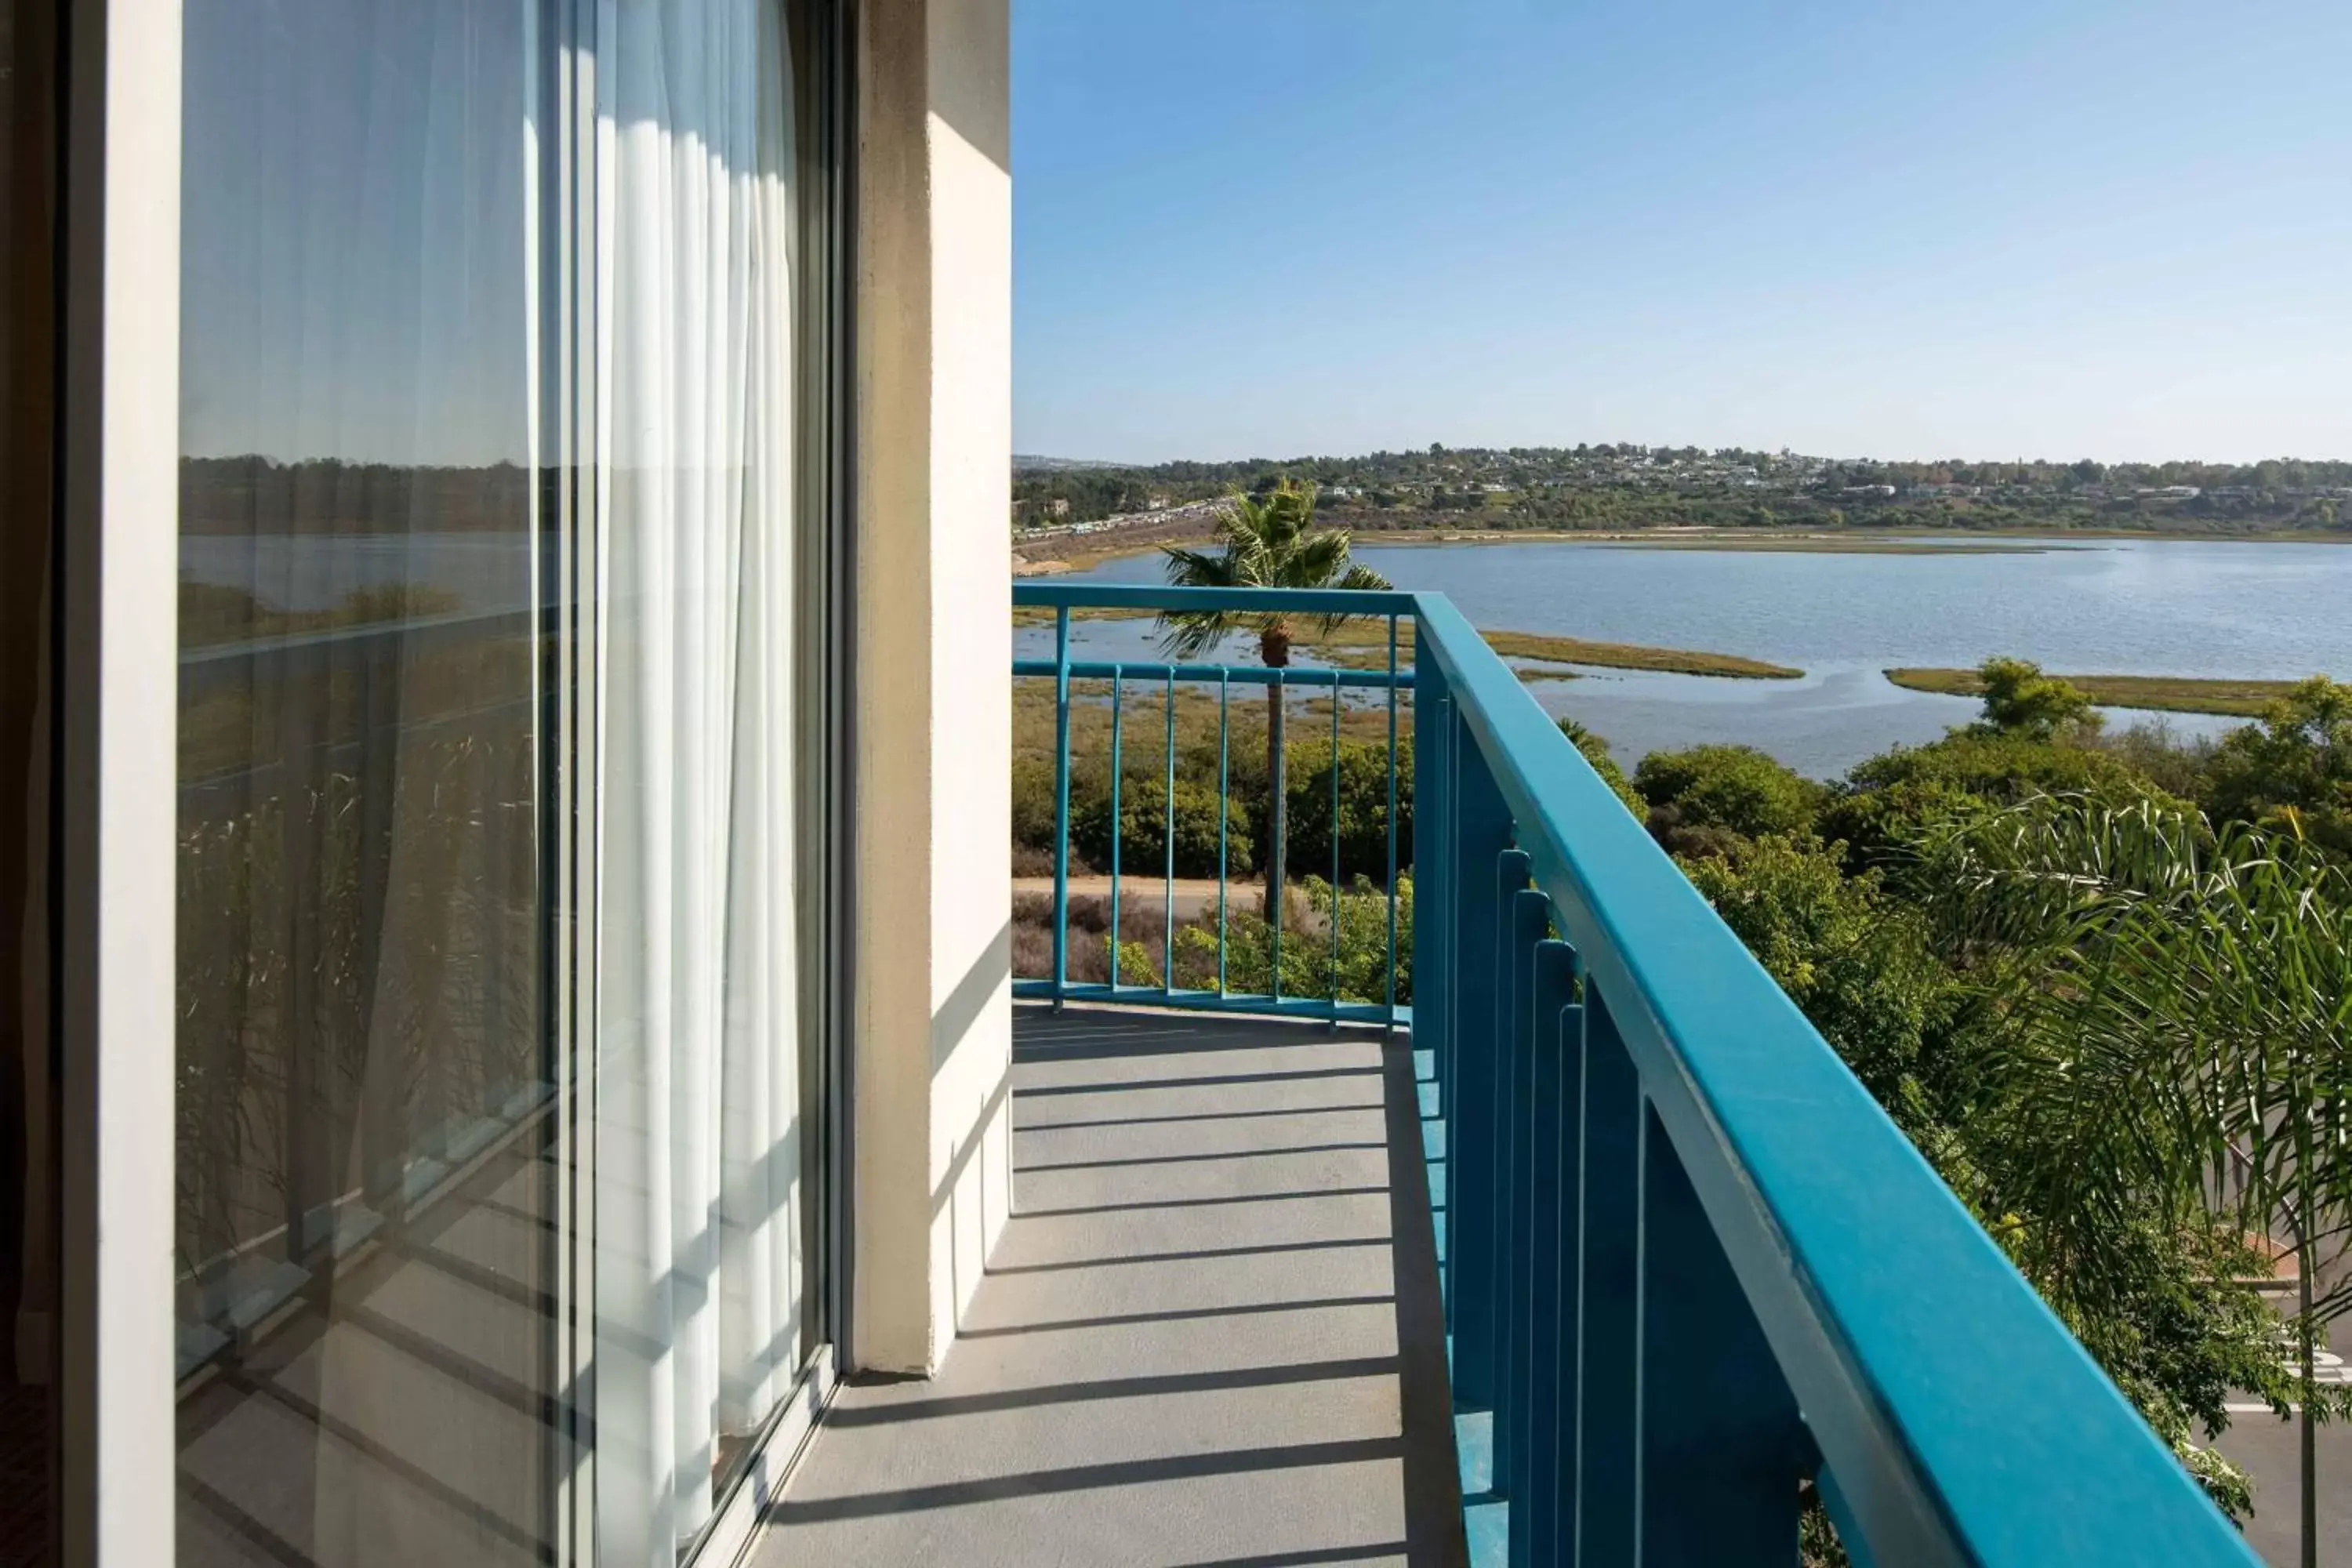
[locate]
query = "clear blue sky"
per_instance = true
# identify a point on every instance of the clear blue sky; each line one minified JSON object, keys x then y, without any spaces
{"x":1861,"y":227}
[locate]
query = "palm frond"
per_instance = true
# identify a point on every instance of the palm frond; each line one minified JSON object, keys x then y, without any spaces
{"x":1356,"y":579}
{"x":2184,"y":1007}
{"x":1265,"y":541}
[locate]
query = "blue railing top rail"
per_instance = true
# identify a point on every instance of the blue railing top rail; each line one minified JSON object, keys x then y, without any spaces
{"x":1145,"y":596}
{"x":1960,"y":1420}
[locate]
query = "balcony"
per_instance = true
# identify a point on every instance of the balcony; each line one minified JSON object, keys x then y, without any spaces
{"x":1581,"y":1246}
{"x":1211,"y":1332}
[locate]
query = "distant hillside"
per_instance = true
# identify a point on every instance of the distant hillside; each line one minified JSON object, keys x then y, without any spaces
{"x":1624,"y":486}
{"x":1030,"y":463}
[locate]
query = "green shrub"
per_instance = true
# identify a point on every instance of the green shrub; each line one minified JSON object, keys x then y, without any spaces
{"x":2292,"y":772}
{"x":1143,"y":829}
{"x":1363,"y":768}
{"x":1855,"y":963}
{"x":1729,"y":789}
{"x":1885,"y":803}
{"x":1033,"y":804}
{"x":1135,"y":962}
{"x":1363,"y":972}
{"x":2019,"y":699}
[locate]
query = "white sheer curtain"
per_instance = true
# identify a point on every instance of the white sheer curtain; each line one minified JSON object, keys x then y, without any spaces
{"x":697,"y":1156}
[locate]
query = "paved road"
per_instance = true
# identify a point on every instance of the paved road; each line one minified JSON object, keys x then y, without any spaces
{"x":2270,"y":1450}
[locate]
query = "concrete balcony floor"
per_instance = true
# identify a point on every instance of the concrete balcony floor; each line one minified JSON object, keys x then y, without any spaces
{"x":1209,"y":1337}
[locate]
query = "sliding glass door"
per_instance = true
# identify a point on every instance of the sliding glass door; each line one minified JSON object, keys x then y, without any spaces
{"x":709,"y":943}
{"x":370,"y":1164}
{"x":502,"y":861}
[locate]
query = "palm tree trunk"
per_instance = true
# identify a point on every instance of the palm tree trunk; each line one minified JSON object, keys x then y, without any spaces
{"x":1277,"y":802}
{"x":2303,"y":1267}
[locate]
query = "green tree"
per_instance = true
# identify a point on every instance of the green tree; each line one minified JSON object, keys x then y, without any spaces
{"x":1698,"y":794}
{"x":2183,"y":1041}
{"x":1939,"y":1019}
{"x":1854,"y":961}
{"x":1363,"y":800}
{"x":2019,"y":699}
{"x":1143,"y":829}
{"x":1888,"y":801}
{"x":1269,"y":541}
{"x":2292,"y":770}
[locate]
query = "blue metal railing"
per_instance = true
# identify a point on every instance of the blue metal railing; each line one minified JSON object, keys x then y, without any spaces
{"x":1689,"y":1262}
{"x":1328,"y":1001}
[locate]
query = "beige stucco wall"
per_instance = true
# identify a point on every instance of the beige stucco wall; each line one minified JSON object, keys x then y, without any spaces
{"x":933,"y":651}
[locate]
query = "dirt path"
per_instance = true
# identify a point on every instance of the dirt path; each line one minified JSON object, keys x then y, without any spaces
{"x":1195,"y":896}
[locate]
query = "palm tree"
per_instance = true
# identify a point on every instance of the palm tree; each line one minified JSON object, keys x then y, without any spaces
{"x":2195,"y":985}
{"x":1267,"y":542}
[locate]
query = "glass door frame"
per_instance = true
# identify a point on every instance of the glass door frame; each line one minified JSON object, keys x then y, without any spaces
{"x":118,"y":674}
{"x":117,"y":617}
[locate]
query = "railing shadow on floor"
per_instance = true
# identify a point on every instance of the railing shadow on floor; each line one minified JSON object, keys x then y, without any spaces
{"x":1274,"y":1395}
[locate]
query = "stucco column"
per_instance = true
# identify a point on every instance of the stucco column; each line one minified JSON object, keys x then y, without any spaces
{"x":931,"y":665}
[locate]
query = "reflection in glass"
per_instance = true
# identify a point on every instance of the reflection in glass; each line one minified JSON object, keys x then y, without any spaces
{"x":367,"y":1223}
{"x":491,"y":904}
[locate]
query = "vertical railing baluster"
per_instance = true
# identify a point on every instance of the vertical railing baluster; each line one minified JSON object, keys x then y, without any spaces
{"x":1602,"y":1423}
{"x":1722,"y":1447}
{"x":1118,"y":767}
{"x":1474,"y":1142}
{"x":1278,"y":814}
{"x":1335,"y":848}
{"x":1434,"y":825}
{"x":1528,"y":919}
{"x":1061,"y":802}
{"x":1224,"y":811}
{"x":1168,"y":930}
{"x":1542,"y":1494}
{"x":1443,"y":927}
{"x":1391,"y":997}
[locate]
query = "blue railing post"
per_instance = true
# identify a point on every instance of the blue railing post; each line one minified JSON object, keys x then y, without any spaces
{"x":1061,"y":801}
{"x":1335,"y":850}
{"x":1482,"y":834}
{"x":1277,"y":784}
{"x":1224,"y":810}
{"x":1433,"y":831}
{"x":1118,"y":767}
{"x":1722,"y":1447}
{"x":1167,"y":838}
{"x":1545,"y":1499}
{"x":1529,"y":918}
{"x":1432,"y":986}
{"x":1602,"y":1416}
{"x":1389,"y":984}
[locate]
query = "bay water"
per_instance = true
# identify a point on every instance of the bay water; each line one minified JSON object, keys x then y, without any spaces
{"x":2167,"y":607}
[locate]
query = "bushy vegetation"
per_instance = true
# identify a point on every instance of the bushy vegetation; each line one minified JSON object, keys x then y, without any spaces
{"x":1143,"y":818}
{"x":1363,"y":809}
{"x":1309,"y":967}
{"x":2027,"y":938}
{"x":1882,"y":804}
{"x":2292,"y":771}
{"x":2029,"y":941}
{"x":1699,"y":796}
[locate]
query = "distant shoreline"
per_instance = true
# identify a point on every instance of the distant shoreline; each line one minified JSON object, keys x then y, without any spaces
{"x":2143,"y":693}
{"x":1079,"y":553}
